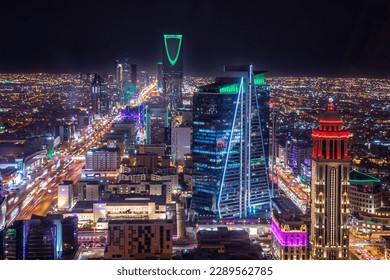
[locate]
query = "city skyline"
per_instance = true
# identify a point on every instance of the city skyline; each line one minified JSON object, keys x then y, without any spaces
{"x":195,"y":130}
{"x":289,"y":39}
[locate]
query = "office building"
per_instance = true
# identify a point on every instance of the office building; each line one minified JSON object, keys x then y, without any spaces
{"x":156,"y":124}
{"x":365,"y":192}
{"x":32,"y":240}
{"x":230,"y":177}
{"x":289,"y":228}
{"x":3,"y":211}
{"x":116,"y":70}
{"x":103,"y":159}
{"x":99,"y":97}
{"x":41,"y":238}
{"x":1,"y":188}
{"x":148,"y":160}
{"x":119,"y":74}
{"x":134,"y":74}
{"x":180,"y":143}
{"x":330,"y":209}
{"x":65,"y":195}
{"x":139,"y":240}
{"x":160,"y":76}
{"x":173,"y":70}
{"x":126,"y":69}
{"x":91,"y":190}
{"x":370,"y":205}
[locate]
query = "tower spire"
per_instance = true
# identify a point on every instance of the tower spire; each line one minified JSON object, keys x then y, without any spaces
{"x":330,"y":104}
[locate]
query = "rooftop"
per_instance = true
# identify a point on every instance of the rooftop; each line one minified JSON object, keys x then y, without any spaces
{"x":360,"y":177}
{"x":286,"y":206}
{"x":146,"y":222}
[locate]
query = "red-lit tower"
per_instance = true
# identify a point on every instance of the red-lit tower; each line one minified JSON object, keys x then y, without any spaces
{"x":330,"y":189}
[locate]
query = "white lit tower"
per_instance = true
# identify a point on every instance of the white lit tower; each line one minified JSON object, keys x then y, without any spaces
{"x":330,"y":212}
{"x":244,"y":188}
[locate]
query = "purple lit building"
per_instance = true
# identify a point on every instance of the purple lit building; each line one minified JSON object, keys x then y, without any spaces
{"x":289,"y":231}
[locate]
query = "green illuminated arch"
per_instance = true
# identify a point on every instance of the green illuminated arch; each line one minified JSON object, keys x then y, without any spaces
{"x":172,"y":61}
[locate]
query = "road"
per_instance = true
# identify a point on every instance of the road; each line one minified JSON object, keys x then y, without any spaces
{"x":37,"y":196}
{"x":297,"y":192}
{"x":146,"y":93}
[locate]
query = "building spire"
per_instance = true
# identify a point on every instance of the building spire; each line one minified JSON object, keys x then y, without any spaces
{"x":330,"y":104}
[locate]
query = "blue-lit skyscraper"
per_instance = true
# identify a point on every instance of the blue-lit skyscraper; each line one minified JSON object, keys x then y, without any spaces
{"x":230,"y":147}
{"x":212,"y":116}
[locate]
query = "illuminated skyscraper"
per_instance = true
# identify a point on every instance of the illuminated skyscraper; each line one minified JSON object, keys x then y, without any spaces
{"x":119,"y":74}
{"x":160,"y":76}
{"x":126,"y":70}
{"x":173,"y":70}
{"x":330,"y":189}
{"x":99,"y":98}
{"x":230,"y":147}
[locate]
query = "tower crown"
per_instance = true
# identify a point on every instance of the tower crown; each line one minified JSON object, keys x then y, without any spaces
{"x":330,"y":139}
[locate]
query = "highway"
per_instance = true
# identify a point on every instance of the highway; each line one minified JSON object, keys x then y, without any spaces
{"x":299,"y":193}
{"x":38,"y":196}
{"x":146,"y":93}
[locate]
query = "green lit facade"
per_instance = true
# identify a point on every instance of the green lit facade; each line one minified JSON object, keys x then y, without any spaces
{"x":172,"y":69}
{"x":129,"y":93}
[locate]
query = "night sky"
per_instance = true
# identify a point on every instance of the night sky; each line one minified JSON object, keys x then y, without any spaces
{"x":314,"y":38}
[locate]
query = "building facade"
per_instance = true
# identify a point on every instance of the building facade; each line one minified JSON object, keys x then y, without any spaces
{"x":103,"y":159}
{"x":230,"y":147}
{"x":65,"y":195}
{"x":172,"y":69}
{"x":289,"y":231}
{"x":139,"y":239}
{"x":330,"y":209}
{"x":99,"y":97}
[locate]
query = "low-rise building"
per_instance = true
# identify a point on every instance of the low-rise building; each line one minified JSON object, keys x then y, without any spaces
{"x":65,"y":195}
{"x":139,"y":239}
{"x":369,"y":204}
{"x":289,"y":231}
{"x":131,"y":206}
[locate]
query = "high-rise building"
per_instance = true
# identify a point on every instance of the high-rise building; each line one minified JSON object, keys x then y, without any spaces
{"x":1,"y":187}
{"x":99,"y":98}
{"x":119,"y":74}
{"x":33,"y":239}
{"x":230,"y":147}
{"x":330,"y":210}
{"x":43,"y":238}
{"x":126,"y":69}
{"x":180,"y":143}
{"x":65,"y":195}
{"x":156,"y":124}
{"x":173,"y":70}
{"x":3,"y":212}
{"x":134,"y":74}
{"x":116,"y":70}
{"x":160,"y":76}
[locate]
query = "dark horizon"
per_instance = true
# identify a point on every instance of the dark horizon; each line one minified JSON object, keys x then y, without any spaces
{"x":330,"y":39}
